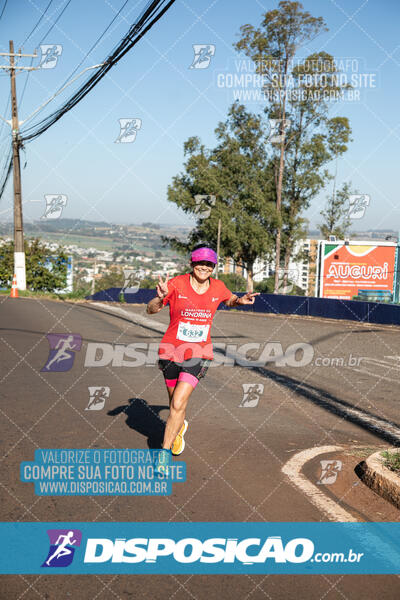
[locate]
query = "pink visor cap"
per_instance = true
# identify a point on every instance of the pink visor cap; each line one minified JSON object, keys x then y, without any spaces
{"x":204,"y":254}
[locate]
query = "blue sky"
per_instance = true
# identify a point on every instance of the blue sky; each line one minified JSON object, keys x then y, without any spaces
{"x":127,"y":182}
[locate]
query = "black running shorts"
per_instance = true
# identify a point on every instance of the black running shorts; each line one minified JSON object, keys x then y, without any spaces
{"x":191,"y":370}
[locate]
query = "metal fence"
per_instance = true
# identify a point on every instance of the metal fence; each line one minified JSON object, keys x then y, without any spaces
{"x":368,"y":312}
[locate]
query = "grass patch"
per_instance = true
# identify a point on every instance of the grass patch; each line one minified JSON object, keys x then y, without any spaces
{"x":77,"y":295}
{"x":361,"y":452}
{"x":392,"y":460}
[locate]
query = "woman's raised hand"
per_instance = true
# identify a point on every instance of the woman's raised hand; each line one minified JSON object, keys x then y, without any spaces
{"x":248,"y":298}
{"x":162,"y":286}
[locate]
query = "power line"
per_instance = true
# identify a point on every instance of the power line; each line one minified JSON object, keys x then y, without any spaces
{"x":87,"y":53}
{"x":43,"y":38}
{"x":4,"y":7}
{"x":95,"y":44}
{"x":6,"y":172}
{"x":38,"y":23}
{"x":152,"y":13}
{"x":55,"y":22}
{"x":5,"y":112}
{"x":8,"y":162}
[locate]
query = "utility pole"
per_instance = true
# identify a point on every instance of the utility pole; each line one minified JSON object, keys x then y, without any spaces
{"x":19,"y":250}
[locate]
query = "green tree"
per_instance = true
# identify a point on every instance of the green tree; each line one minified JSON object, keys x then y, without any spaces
{"x":148,"y":283}
{"x":297,"y":102}
{"x":336,"y":214}
{"x":113,"y":278}
{"x":233,"y":281}
{"x":81,"y":287}
{"x":235,"y":174}
{"x":266,"y":286}
{"x":46,"y":270}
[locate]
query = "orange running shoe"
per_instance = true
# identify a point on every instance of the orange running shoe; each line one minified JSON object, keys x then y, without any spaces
{"x":179,"y":443}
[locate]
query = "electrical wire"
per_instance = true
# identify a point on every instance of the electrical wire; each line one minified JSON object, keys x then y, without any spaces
{"x":4,"y":8}
{"x":38,"y":23}
{"x":6,"y":172}
{"x":153,"y":11}
{"x":55,"y":22}
{"x":41,"y":41}
{"x":8,"y":162}
{"x":151,"y":14}
{"x":86,"y":55}
{"x":95,"y":44}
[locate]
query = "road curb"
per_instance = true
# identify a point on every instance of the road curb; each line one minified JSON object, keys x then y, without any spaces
{"x":135,"y":318}
{"x":292,"y":469}
{"x":381,"y":480}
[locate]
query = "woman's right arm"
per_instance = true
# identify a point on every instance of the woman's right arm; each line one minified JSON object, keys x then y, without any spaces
{"x":156,"y":304}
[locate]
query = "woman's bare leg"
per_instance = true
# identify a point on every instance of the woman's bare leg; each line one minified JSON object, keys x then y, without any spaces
{"x":178,"y":403}
{"x":170,"y":391}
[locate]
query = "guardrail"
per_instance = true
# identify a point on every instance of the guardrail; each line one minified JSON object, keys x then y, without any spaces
{"x":353,"y":310}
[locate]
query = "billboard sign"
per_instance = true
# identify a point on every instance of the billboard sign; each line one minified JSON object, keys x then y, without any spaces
{"x":347,"y":268}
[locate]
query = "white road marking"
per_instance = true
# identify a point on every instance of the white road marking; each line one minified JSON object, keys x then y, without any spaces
{"x":325,"y":504}
{"x":376,"y":375}
{"x":135,"y":318}
{"x":381,"y":363}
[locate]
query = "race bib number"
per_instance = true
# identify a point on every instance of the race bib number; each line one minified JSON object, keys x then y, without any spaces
{"x":190,"y":332}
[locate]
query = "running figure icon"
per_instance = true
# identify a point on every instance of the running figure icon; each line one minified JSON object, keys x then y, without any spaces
{"x":63,"y":345}
{"x":62,"y":549}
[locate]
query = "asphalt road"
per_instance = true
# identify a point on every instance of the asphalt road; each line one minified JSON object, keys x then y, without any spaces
{"x":236,"y":446}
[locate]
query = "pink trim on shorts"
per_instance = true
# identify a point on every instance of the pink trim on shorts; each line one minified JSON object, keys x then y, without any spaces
{"x":171,"y":382}
{"x":188,"y":378}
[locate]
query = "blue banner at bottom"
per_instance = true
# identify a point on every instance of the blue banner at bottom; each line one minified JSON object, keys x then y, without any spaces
{"x":204,"y":548}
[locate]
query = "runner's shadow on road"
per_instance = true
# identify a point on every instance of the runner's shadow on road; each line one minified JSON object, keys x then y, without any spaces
{"x":143,"y":418}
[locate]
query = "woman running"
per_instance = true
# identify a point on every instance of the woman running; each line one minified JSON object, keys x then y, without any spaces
{"x":186,"y":350}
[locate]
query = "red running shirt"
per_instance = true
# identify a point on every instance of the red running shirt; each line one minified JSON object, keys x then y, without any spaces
{"x":191,"y":315}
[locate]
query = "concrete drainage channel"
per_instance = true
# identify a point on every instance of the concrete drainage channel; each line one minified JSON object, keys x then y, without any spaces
{"x":379,"y":478}
{"x":371,"y":471}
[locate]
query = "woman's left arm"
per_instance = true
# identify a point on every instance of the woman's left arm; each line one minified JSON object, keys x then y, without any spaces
{"x":248,"y":298}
